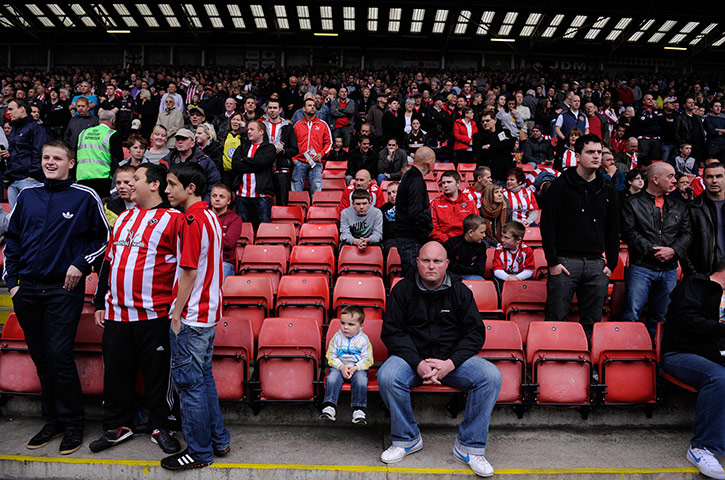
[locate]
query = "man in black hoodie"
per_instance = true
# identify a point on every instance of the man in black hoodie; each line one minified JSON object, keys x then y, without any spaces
{"x":579,"y":221}
{"x":413,"y":222}
{"x":694,"y":353}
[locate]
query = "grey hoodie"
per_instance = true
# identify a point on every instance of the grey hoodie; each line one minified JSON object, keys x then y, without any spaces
{"x":354,"y":226}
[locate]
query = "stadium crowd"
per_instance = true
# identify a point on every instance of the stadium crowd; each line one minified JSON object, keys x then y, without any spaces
{"x":598,"y":162}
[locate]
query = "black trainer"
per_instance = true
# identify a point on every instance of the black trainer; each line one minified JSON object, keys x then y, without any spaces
{"x":72,"y":441}
{"x":110,"y":438}
{"x":45,"y":435}
{"x":221,"y":452}
{"x":166,"y":440}
{"x":182,"y":461}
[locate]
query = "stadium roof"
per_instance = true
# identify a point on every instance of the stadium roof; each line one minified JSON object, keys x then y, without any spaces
{"x":636,"y":28}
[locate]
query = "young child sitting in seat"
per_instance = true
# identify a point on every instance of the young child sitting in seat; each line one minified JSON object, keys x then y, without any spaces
{"x":467,"y":252}
{"x":349,"y":356}
{"x":513,"y":260}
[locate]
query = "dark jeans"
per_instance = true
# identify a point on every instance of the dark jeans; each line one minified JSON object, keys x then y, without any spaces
{"x":649,"y":150}
{"x":716,"y":151}
{"x":126,"y":346}
{"x":281,"y":182}
{"x":587,"y":279}
{"x":255,"y":210}
{"x":49,"y":315}
{"x":408,"y":250}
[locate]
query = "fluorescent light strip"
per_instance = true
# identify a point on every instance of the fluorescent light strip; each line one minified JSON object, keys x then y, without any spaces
{"x":34,"y":9}
{"x":533,"y":19}
{"x":675,"y":48}
{"x":373,"y":25}
{"x":216,"y":22}
{"x":416,"y":27}
{"x":506,"y":40}
{"x":677,"y":38}
{"x":592,"y":34}
{"x":527,"y":31}
{"x":211,"y":10}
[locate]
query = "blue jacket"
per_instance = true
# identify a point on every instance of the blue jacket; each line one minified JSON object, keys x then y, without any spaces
{"x":25,"y":145}
{"x":53,"y":226}
{"x":712,"y":124}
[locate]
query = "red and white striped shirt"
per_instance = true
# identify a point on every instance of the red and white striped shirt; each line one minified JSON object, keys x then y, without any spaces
{"x":201,"y":240}
{"x":190,"y":91}
{"x":569,"y":159}
{"x":540,"y":168}
{"x":142,"y":253}
{"x":473,"y":194}
{"x":632,"y":160}
{"x":513,"y":262}
{"x":248,"y":187}
{"x":521,"y":202}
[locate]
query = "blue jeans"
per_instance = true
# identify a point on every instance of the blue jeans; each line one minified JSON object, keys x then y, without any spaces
{"x":15,"y":188}
{"x":709,"y":378}
{"x":643,"y":283}
{"x":471,"y":277}
{"x":668,"y":152}
{"x":201,"y":417}
{"x":408,"y":250}
{"x":358,"y":382}
{"x":300,"y":172}
{"x":255,"y":210}
{"x":228,"y":269}
{"x":381,"y":178}
{"x":480,"y":377}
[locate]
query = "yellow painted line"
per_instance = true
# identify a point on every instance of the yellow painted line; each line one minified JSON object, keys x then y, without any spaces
{"x":358,"y":468}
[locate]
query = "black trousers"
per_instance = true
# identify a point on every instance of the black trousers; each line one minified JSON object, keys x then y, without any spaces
{"x":49,"y":315}
{"x":126,"y":345}
{"x":281,"y":181}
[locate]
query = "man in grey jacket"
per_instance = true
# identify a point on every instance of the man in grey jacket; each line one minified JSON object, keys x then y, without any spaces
{"x":342,"y":110}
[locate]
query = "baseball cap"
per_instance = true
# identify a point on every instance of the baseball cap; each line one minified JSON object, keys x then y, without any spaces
{"x":197,"y":109}
{"x":670,"y":100}
{"x":185,"y":133}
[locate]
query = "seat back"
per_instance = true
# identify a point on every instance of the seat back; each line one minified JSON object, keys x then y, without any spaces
{"x":532,"y":237}
{"x":327,"y":198}
{"x":353,"y":261}
{"x":12,"y":329}
{"x":277,"y":234}
{"x":293,"y":214}
{"x":334,"y":174}
{"x":233,"y":350}
{"x":333,"y":184}
{"x":319,"y":234}
{"x":372,"y":328}
{"x":317,"y":214}
{"x":269,"y":260}
{"x":466,"y":167}
{"x":618,"y":273}
{"x":486,"y":296}
{"x":301,"y":199}
{"x":288,"y":358}
{"x":393,"y":265}
{"x":335,"y":165}
{"x":503,"y":348}
{"x":619,"y":336}
{"x":367,"y":292}
{"x":304,"y":297}
{"x":248,"y":295}
{"x":524,"y":302}
{"x":541,"y":267}
{"x":312,"y":259}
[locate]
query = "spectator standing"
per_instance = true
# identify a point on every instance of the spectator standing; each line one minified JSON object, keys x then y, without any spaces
{"x":342,"y":110}
{"x":231,"y":223}
{"x":689,"y":129}
{"x":281,"y":134}
{"x":707,"y":218}
{"x":715,"y":128}
{"x":314,"y":141}
{"x":100,"y":150}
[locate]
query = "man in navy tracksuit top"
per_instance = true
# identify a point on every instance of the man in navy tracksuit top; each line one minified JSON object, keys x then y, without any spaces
{"x":57,"y":231}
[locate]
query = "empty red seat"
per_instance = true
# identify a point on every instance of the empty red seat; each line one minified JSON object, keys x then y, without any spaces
{"x":335,"y":165}
{"x":333,"y":174}
{"x":301,"y":199}
{"x":245,"y":238}
{"x":432,"y":187}
{"x":527,"y":167}
{"x":393,"y":265}
{"x":503,"y":347}
{"x":486,"y":296}
{"x":283,"y":234}
{"x":319,"y":234}
{"x":541,"y":267}
{"x":560,"y":361}
{"x":288,"y":359}
{"x":269,"y":260}
{"x":466,"y":167}
{"x":322,"y":215}
{"x":293,"y":214}
{"x":443,"y":167}
{"x":91,"y":286}
{"x":233,"y":351}
{"x":366,"y":292}
{"x":618,"y":273}
{"x":248,"y":296}
{"x":353,"y":261}
{"x":333,"y":184}
{"x":532,"y":237}
{"x":626,"y":361}
{"x":326,"y":198}
{"x":304,"y":297}
{"x":488,"y":269}
{"x":312,"y":259}
{"x":524,"y":302}
{"x":17,"y":370}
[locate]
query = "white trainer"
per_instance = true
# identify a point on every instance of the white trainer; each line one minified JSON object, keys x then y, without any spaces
{"x":395,"y":454}
{"x":706,"y":462}
{"x":328,"y":413}
{"x":478,"y":463}
{"x":359,"y":417}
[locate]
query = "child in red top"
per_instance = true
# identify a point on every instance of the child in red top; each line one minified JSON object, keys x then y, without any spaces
{"x":513,"y":259}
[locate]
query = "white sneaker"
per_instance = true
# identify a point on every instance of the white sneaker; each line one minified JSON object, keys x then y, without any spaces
{"x":395,"y":454}
{"x":478,"y":463}
{"x":328,"y":413}
{"x":706,"y":462}
{"x":359,"y":418}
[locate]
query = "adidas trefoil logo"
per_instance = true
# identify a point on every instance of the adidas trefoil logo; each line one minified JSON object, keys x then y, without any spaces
{"x":67,"y":215}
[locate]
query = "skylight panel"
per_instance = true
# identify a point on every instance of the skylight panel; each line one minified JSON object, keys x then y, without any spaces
{"x":416,"y":24}
{"x":485,"y":24}
{"x":280,"y":11}
{"x":213,"y":14}
{"x":373,"y":19}
{"x":440,"y":21}
{"x":508,"y":23}
{"x":348,"y":22}
{"x":326,"y":16}
{"x":551,"y":29}
{"x":258,"y":13}
{"x":575,"y":26}
{"x":462,"y":23}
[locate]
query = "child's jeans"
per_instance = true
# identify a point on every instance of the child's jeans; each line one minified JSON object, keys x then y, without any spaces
{"x":359,"y":382}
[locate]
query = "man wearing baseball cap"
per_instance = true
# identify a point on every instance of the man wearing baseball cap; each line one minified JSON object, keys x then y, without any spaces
{"x":188,"y":151}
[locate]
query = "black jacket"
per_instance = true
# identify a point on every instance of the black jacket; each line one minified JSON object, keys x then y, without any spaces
{"x":393,"y":126}
{"x":703,"y":225}
{"x":25,"y":144}
{"x":75,"y":126}
{"x":689,"y":129}
{"x":357,"y":161}
{"x":693,"y":319}
{"x":538,"y":151}
{"x":644,"y":227}
{"x":212,"y":173}
{"x":412,"y":209}
{"x":261,"y":165}
{"x":580,"y":219}
{"x":442,"y":324}
{"x":498,"y":156}
{"x":467,"y":258}
{"x":213,"y":150}
{"x":287,"y":137}
{"x":394,"y":165}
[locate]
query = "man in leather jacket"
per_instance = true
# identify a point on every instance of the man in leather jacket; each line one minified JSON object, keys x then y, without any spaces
{"x":657,"y":230}
{"x":708,"y":244}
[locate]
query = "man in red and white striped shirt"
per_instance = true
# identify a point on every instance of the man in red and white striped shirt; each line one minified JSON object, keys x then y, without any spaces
{"x":544,"y":167}
{"x":195,"y":310}
{"x":132,"y":305}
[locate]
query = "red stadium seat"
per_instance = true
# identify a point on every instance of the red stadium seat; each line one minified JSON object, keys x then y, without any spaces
{"x":304,"y":297}
{"x":532,"y":237}
{"x":301,"y":199}
{"x":393,"y":266}
{"x":443,"y":167}
{"x":488,"y":269}
{"x":384,"y":185}
{"x":627,"y":362}
{"x":486,"y":297}
{"x":248,"y":296}
{"x":560,"y":361}
{"x":333,"y":174}
{"x":353,"y":261}
{"x":366,"y":292}
{"x":87,"y":349}
{"x":17,"y":370}
{"x":322,"y":215}
{"x":527,"y":167}
{"x":524,"y":302}
{"x":290,"y":214}
{"x":618,"y":273}
{"x":333,"y":184}
{"x":466,"y":167}
{"x":541,"y":267}
{"x":327,"y":198}
{"x":319,"y":234}
{"x":312,"y":259}
{"x":335,"y":165}
{"x":246,"y":238}
{"x":372,"y":329}
{"x":233,"y":351}
{"x":431,"y":187}
{"x":503,"y":347}
{"x":288,"y":359}
{"x":91,"y":286}
{"x":269,"y":260}
{"x":283,"y":234}
{"x":659,"y":353}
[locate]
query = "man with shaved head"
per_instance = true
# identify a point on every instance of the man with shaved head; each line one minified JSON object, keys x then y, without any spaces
{"x":433,"y":331}
{"x":657,"y":230}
